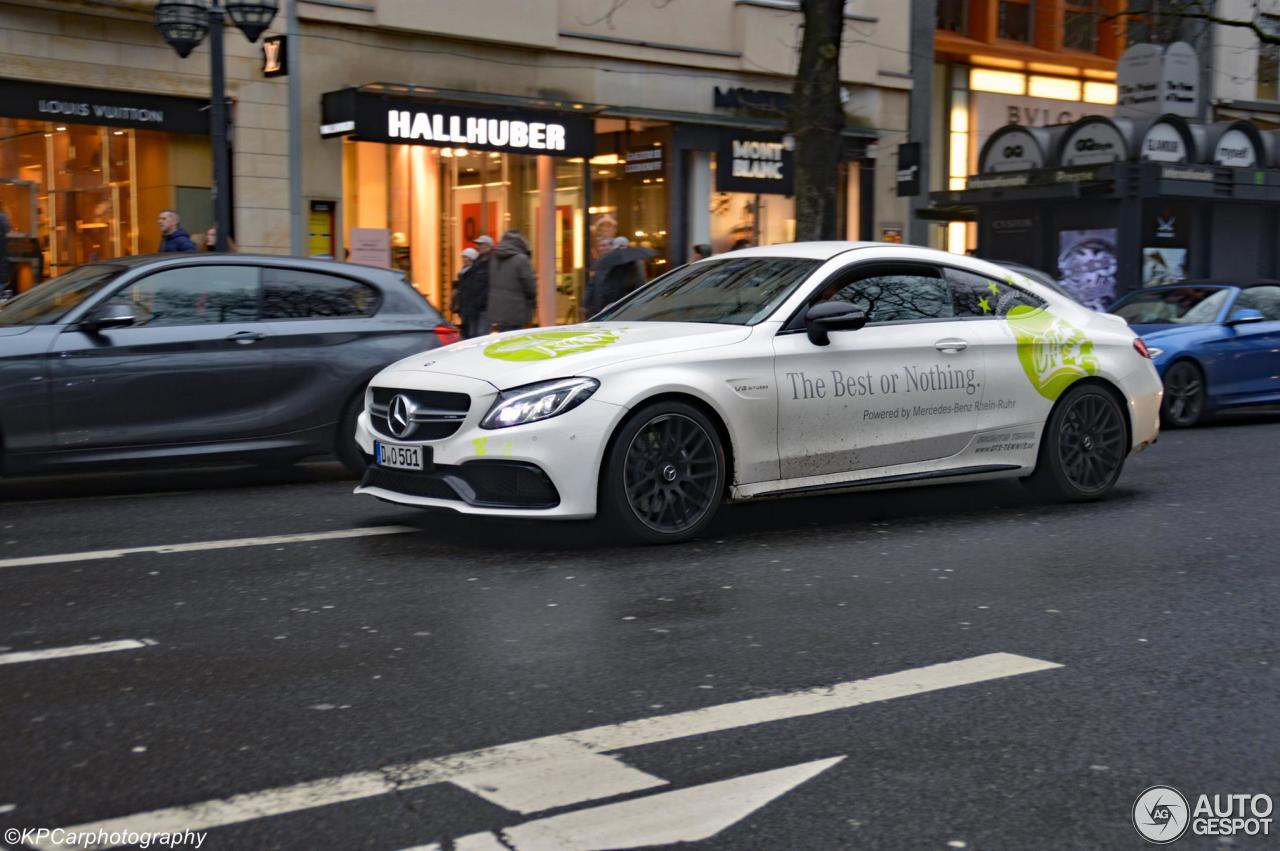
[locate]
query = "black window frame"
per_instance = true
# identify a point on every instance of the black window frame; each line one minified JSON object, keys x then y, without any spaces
{"x":379,"y":295}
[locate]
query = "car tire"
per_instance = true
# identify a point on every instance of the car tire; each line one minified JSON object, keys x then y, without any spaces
{"x":663,"y":477}
{"x":345,"y":446}
{"x":1185,"y":395}
{"x":1083,"y":448}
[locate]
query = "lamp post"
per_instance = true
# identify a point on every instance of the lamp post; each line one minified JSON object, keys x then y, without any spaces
{"x":184,"y":24}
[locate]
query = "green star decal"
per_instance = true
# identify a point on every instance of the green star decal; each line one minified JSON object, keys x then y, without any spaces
{"x":994,"y":287}
{"x":984,"y":304}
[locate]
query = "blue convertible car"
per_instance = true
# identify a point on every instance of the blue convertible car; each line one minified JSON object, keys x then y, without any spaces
{"x":1215,"y":344}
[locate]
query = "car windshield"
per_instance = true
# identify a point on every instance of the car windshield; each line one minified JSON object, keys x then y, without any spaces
{"x":50,"y":301}
{"x":733,"y":291}
{"x":1180,"y":306}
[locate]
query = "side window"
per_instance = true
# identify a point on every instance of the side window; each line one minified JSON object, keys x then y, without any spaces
{"x":980,"y":296}
{"x":1265,"y":299}
{"x":895,"y":294}
{"x":295,"y":294}
{"x":194,"y":295}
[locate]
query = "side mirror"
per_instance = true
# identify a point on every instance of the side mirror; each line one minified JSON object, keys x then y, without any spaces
{"x":1245,"y":316}
{"x":109,"y":316}
{"x":827,"y":316}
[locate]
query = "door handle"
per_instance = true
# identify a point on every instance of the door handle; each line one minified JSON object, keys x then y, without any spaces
{"x":246,"y":337}
{"x":951,"y":345}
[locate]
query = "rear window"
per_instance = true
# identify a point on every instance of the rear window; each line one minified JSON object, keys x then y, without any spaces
{"x":296,"y":294}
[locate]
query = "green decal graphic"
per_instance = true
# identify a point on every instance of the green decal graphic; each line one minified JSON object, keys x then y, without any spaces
{"x":545,"y":345}
{"x":1053,"y":353}
{"x":482,"y":445}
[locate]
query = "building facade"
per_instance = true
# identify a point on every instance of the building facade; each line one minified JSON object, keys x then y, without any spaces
{"x":663,"y":123}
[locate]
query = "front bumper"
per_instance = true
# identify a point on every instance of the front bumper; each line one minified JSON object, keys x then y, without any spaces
{"x":548,"y":469}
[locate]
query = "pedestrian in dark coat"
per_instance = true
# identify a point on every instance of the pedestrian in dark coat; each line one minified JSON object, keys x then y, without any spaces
{"x":173,"y":237}
{"x":513,"y":293}
{"x":471,"y":295}
{"x":612,"y":280}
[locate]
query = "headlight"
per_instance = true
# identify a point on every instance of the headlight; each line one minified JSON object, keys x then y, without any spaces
{"x":539,"y":401}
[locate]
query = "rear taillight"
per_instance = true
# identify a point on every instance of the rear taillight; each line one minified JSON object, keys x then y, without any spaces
{"x":446,"y":333}
{"x":1141,"y":347}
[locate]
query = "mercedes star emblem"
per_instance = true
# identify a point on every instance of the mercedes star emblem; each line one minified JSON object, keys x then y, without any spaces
{"x":400,"y":416}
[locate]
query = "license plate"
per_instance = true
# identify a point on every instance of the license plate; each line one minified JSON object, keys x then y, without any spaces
{"x":397,"y":457}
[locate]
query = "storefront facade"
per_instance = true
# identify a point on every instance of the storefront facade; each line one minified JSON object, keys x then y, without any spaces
{"x":102,"y":126}
{"x":425,"y":173}
{"x":83,"y":171}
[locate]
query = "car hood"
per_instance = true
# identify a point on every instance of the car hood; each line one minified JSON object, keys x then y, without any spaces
{"x":13,"y":330}
{"x":523,"y":357}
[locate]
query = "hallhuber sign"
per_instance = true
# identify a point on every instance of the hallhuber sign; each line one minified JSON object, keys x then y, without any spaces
{"x":379,"y":118}
{"x":754,"y":162}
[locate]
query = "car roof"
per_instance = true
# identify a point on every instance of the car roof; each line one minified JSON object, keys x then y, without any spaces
{"x":829,"y":249}
{"x":200,"y":257}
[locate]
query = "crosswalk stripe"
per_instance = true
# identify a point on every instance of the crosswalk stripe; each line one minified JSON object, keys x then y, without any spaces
{"x":505,"y":758}
{"x":198,"y":546}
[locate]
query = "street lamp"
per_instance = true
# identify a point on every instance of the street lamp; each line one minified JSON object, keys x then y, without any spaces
{"x":184,"y":24}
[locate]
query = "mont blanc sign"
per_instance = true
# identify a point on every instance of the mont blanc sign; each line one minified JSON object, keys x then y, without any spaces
{"x":375,"y":117}
{"x":754,"y":162}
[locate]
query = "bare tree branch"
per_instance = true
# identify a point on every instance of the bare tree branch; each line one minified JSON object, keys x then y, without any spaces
{"x":1195,"y":10}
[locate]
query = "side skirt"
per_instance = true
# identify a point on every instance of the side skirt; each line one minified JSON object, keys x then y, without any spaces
{"x":883,"y":481}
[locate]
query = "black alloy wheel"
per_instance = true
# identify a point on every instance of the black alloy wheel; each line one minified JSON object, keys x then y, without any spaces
{"x":1084,"y":446}
{"x":664,"y":475}
{"x":1184,"y":395}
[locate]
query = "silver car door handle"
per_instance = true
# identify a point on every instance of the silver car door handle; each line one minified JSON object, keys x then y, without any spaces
{"x":951,"y":345}
{"x":246,"y":337}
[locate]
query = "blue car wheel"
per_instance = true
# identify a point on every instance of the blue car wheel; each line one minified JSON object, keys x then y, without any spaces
{"x":1184,"y":395}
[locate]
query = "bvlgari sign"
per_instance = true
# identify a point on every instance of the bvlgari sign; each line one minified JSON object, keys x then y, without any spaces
{"x":44,"y":102}
{"x":379,"y":118}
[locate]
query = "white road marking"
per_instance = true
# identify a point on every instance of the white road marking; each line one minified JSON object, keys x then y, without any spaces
{"x":575,"y":776}
{"x":646,"y":731}
{"x":77,"y":650}
{"x":684,"y":815}
{"x":198,"y":546}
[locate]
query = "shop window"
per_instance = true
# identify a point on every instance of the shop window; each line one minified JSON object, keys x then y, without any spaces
{"x":80,"y":193}
{"x":1013,"y":20}
{"x":1269,"y":60}
{"x":952,"y":15}
{"x":1080,"y":25}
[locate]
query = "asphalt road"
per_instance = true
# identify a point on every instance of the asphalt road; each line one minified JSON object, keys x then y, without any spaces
{"x":400,"y":671}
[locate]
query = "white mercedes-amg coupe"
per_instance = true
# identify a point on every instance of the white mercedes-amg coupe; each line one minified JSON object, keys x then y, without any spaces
{"x":791,"y":369}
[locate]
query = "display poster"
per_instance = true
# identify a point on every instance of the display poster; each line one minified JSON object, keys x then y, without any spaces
{"x":371,"y":246}
{"x":1087,"y":265}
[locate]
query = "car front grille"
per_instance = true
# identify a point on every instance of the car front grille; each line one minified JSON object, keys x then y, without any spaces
{"x":490,"y":484}
{"x":434,"y":414}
